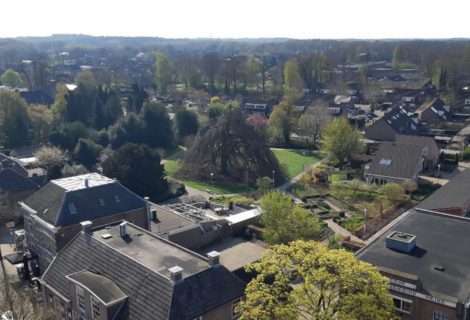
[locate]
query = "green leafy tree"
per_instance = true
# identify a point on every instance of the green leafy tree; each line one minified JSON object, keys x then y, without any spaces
{"x":16,"y":122}
{"x":280,"y":122}
{"x":394,"y":192}
{"x":306,"y":280}
{"x":264,"y":184}
{"x":87,"y":79}
{"x":138,"y":168}
{"x":285,"y":222}
{"x":314,"y":120}
{"x":292,"y":79}
{"x":42,"y":119}
{"x":11,"y":78}
{"x":252,"y":69}
{"x":397,"y":57}
{"x":87,"y":152}
{"x":158,"y":130}
{"x":162,"y":72}
{"x":340,"y":140}
{"x":68,"y":135}
{"x":59,"y":108}
{"x":186,"y":123}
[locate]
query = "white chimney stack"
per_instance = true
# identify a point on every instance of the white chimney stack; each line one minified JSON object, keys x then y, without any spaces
{"x":123,"y":229}
{"x":214,"y":258}
{"x":86,"y":226}
{"x":176,"y":273}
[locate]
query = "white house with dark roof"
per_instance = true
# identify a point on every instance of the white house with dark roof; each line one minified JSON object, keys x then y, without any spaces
{"x":53,"y":214}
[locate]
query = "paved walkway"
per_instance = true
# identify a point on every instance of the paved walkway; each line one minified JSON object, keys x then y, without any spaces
{"x":338,"y":230}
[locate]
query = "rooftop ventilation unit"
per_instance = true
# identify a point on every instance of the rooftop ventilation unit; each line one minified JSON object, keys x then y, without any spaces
{"x":400,"y":241}
{"x":214,"y":258}
{"x":123,"y":229}
{"x":176,"y":273}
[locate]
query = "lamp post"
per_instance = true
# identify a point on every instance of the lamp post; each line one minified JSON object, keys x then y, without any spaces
{"x":274,"y":171}
{"x":365,"y":222}
{"x":212,"y":178}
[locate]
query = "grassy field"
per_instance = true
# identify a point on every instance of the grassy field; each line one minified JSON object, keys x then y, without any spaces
{"x":171,"y":166}
{"x":294,"y":161}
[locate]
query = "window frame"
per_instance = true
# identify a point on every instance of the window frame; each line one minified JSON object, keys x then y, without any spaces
{"x":402,"y":301}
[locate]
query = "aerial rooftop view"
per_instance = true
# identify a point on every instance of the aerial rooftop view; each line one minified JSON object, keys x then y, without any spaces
{"x":201,"y":160}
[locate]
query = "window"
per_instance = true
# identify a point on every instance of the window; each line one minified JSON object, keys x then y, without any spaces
{"x":235,"y":312}
{"x":102,"y":202}
{"x":81,"y":302}
{"x":95,"y":308}
{"x":385,"y":162}
{"x":60,"y":307}
{"x":439,"y":315}
{"x":72,"y":208}
{"x":402,"y":305}
{"x":116,"y":199}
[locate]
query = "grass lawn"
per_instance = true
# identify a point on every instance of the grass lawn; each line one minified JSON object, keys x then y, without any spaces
{"x":294,"y":161}
{"x":338,"y":176}
{"x":171,"y":166}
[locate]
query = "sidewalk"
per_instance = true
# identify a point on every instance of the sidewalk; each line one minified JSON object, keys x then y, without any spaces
{"x":338,"y":230}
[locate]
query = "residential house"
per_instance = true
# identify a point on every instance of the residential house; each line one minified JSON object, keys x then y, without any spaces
{"x":396,"y":121}
{"x":452,"y":198}
{"x":395,"y":162}
{"x":13,"y":164}
{"x":434,"y":111}
{"x":425,"y":257}
{"x":14,"y":187}
{"x":122,"y":271}
{"x":36,"y":97}
{"x":259,"y":107}
{"x":53,"y":214}
{"x":431,"y":150}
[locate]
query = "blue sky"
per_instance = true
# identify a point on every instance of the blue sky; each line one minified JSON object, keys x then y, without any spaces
{"x":301,"y":19}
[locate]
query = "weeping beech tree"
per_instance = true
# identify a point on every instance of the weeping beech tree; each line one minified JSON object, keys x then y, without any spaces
{"x":231,"y":150}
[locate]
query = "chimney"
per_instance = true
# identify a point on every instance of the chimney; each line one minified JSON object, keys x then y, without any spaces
{"x":176,"y":273}
{"x":123,"y":229}
{"x":86,"y":226}
{"x":147,"y":209}
{"x":214,"y":258}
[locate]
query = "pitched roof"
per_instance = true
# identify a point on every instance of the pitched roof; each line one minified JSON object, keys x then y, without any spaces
{"x":37,"y":97}
{"x":12,"y":163}
{"x":440,"y":240}
{"x":396,"y":160}
{"x":400,"y":121}
{"x":424,"y":141}
{"x":11,"y":181}
{"x":135,"y":264}
{"x":437,"y":106}
{"x":454,"y":194}
{"x":69,"y":201}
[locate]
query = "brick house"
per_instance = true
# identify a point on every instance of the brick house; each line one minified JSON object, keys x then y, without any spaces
{"x":396,"y":121}
{"x":425,"y":257}
{"x":125,"y":272}
{"x":53,"y":214}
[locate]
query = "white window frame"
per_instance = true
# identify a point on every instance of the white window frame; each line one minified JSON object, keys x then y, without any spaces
{"x":401,"y":304}
{"x":95,"y":308}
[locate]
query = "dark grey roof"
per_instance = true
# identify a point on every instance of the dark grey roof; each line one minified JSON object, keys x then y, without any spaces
{"x":454,"y":194}
{"x":437,"y":106}
{"x":400,"y":121}
{"x":151,"y":295}
{"x":429,"y":142}
{"x":37,"y":97}
{"x":404,"y":159}
{"x":69,"y":201}
{"x":12,"y":163}
{"x":440,"y":240}
{"x":11,"y":181}
{"x":102,"y":287}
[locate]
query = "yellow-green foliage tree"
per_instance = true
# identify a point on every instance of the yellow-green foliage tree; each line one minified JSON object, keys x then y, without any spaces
{"x":306,"y":280}
{"x":340,"y":140}
{"x":284,"y":221}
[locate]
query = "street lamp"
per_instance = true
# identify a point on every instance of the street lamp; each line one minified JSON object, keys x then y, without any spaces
{"x":274,"y":171}
{"x":365,"y":222}
{"x":439,"y":170}
{"x":212,"y":178}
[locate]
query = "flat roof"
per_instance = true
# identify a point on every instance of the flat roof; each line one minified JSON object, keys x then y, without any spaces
{"x":236,"y":253}
{"x":154,"y":252}
{"x":83,"y":181}
{"x":441,"y":240}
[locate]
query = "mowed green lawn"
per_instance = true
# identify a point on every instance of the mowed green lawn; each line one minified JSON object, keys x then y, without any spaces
{"x":171,"y":166}
{"x":295,"y":161}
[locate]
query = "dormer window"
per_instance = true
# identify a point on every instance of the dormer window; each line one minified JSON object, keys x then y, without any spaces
{"x":116,"y":199}
{"x":102,"y":202}
{"x":72,"y":208}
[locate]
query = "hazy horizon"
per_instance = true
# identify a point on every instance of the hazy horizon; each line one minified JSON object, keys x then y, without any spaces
{"x":244,"y":19}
